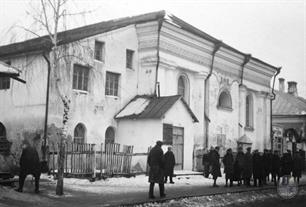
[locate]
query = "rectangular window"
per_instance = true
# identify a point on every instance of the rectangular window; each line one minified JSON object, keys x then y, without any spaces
{"x":99,"y":51}
{"x":129,"y":59}
{"x":112,"y":84}
{"x":5,"y":83}
{"x":80,"y":77}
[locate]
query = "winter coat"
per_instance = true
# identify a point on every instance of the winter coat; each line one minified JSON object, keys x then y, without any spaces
{"x":215,"y":164}
{"x":258,"y":168}
{"x":205,"y":162}
{"x":156,"y":164}
{"x":29,"y":161}
{"x":238,"y":166}
{"x":275,"y":164}
{"x":228,"y":162}
{"x":286,"y":164}
{"x":169,"y":163}
{"x":267,"y":163}
{"x":297,"y":165}
{"x":248,"y":165}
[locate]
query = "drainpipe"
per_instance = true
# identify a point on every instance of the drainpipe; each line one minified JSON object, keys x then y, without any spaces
{"x":273,"y":98}
{"x":206,"y":95}
{"x":160,"y":23}
{"x":247,"y":58}
{"x":46,"y":109}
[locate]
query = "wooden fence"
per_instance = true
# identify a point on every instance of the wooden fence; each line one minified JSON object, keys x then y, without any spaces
{"x":90,"y":159}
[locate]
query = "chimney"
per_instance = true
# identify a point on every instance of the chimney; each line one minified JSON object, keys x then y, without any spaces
{"x":292,"y":88}
{"x":281,"y":85}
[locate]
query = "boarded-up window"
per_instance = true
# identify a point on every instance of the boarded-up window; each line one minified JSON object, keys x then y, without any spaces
{"x":79,"y":134}
{"x":112,"y":84}
{"x":129,"y":59}
{"x":99,"y":51}
{"x":80,"y":77}
{"x":167,"y":134}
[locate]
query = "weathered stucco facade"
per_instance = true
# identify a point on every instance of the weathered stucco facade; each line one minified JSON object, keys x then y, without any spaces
{"x":169,"y":57}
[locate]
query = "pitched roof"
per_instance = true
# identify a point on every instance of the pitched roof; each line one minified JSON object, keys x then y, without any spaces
{"x":151,"y":107}
{"x":44,"y":44}
{"x":287,"y":104}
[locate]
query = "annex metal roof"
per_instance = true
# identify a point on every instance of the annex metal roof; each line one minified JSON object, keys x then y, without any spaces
{"x":151,"y":107}
{"x":287,"y":104}
{"x":44,"y":43}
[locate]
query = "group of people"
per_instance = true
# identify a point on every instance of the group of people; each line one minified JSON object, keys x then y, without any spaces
{"x":161,"y":167}
{"x":243,"y":166}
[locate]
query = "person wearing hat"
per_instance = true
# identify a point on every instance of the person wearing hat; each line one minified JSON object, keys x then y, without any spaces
{"x":156,"y":171}
{"x":258,"y":168}
{"x":275,"y":167}
{"x":228,"y":162}
{"x":238,"y":166}
{"x":215,"y":165}
{"x":29,"y":164}
{"x":247,"y":167}
{"x":286,"y":163}
{"x":169,"y":165}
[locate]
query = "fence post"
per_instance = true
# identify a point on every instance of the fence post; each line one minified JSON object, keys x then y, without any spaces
{"x":94,"y":166}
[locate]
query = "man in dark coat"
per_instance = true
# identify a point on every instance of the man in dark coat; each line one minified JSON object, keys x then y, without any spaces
{"x":286,"y":163}
{"x":205,"y":162}
{"x":156,"y":173}
{"x":29,"y":165}
{"x":247,"y":167}
{"x":238,"y":166}
{"x":275,"y":167}
{"x":228,"y":162}
{"x":297,"y":166}
{"x":215,"y":165}
{"x":169,"y":164}
{"x":266,"y":164}
{"x":258,"y":169}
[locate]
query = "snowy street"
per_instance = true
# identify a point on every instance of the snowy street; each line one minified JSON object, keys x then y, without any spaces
{"x":133,"y":191}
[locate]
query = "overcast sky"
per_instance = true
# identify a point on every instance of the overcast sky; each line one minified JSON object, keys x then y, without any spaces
{"x":271,"y":30}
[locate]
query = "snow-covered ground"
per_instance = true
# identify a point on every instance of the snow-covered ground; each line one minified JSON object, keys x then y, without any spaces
{"x":220,"y":200}
{"x":133,"y":184}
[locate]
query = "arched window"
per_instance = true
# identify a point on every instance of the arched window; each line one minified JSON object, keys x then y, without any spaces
{"x":79,"y":134}
{"x":225,"y":100}
{"x":183,"y":87}
{"x":110,"y":135}
{"x":4,"y":143}
{"x":249,"y":111}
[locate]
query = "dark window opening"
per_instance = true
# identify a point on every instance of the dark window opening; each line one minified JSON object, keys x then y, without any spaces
{"x":110,"y":135}
{"x":5,"y":145}
{"x":129,"y":59}
{"x":225,"y":100}
{"x":167,"y":134}
{"x":5,"y":83}
{"x":79,"y":134}
{"x":99,"y":51}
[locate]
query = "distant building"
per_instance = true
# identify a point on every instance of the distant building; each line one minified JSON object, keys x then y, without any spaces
{"x":289,"y":118}
{"x":122,"y":78}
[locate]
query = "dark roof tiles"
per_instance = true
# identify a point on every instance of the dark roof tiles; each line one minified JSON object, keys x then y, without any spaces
{"x":287,"y":104}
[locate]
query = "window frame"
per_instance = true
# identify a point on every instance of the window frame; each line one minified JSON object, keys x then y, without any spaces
{"x":77,"y":139}
{"x":84,"y":76}
{"x":185,"y":80}
{"x":5,"y":83}
{"x":221,"y":106}
{"x":129,"y":61}
{"x":112,"y":88}
{"x":101,"y":51}
{"x":249,"y":113}
{"x":5,"y":145}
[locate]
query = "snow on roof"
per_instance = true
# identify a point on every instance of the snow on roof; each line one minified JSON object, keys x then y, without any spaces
{"x":7,"y":69}
{"x":135,"y":107}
